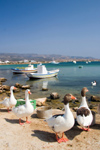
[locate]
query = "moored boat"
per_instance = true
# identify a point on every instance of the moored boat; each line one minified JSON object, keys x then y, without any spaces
{"x":74,"y":62}
{"x":42,"y":73}
{"x":28,"y":69}
{"x":80,"y":66}
{"x":54,"y":62}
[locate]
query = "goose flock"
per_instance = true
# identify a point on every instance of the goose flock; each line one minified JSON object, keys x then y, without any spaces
{"x":58,"y":123}
{"x":22,"y":110}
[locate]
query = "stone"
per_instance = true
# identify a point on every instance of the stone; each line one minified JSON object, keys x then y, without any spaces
{"x":16,"y":90}
{"x":54,"y":95}
{"x":25,"y":87}
{"x":18,"y":85}
{"x":44,"y":89}
{"x":95,"y":98}
{"x":41,"y":101}
{"x":6,"y":87}
{"x":3,"y":79}
{"x":1,"y":91}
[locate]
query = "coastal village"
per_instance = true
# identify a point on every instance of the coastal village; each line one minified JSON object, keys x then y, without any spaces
{"x":36,"y":58}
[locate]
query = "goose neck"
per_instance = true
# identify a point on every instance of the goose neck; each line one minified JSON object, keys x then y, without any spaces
{"x":84,"y":102}
{"x":66,"y":108}
{"x":26,"y":96}
{"x":12,"y":94}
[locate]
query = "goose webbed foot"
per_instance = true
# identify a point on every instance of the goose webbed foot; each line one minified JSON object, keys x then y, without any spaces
{"x":59,"y":140}
{"x":27,"y":120}
{"x":20,"y":122}
{"x":86,"y":129}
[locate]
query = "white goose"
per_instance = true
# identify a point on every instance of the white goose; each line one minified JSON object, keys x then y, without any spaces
{"x":24,"y":110}
{"x":11,"y":101}
{"x":84,"y":115}
{"x":61,"y":123}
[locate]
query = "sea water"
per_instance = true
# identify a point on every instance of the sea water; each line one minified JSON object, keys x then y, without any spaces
{"x":70,"y":79}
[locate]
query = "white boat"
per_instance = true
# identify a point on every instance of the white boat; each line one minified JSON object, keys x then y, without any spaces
{"x":42,"y":73}
{"x":54,"y":62}
{"x":74,"y":62}
{"x":28,"y":69}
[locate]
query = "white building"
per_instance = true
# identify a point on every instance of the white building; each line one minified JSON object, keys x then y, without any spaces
{"x":26,"y":60}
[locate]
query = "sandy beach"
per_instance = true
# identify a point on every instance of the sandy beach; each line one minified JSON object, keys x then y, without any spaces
{"x":38,"y":136}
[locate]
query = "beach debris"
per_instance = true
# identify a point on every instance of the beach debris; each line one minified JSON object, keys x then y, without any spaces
{"x":54,"y":95}
{"x":41,"y":101}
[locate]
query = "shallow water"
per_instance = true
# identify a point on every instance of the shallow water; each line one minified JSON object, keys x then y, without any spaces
{"x":71,"y":79}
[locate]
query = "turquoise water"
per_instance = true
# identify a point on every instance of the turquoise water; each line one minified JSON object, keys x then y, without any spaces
{"x":71,"y":79}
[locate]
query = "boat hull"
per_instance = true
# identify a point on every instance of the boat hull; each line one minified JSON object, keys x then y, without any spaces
{"x":42,"y":76}
{"x":19,"y":71}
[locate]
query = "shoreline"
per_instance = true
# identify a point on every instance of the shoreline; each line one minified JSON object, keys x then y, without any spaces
{"x":44,"y":62}
{"x":53,"y":103}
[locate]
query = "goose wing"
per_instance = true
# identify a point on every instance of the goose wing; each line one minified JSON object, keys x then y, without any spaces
{"x":19,"y":109}
{"x":55,"y":120}
{"x":5,"y":102}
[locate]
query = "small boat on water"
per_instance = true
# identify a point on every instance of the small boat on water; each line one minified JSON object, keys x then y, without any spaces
{"x":42,"y":73}
{"x":80,"y":66}
{"x":54,"y":62}
{"x":28,"y":69}
{"x":74,"y":61}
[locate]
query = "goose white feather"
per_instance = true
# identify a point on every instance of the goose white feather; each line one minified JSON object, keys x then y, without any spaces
{"x":24,"y":110}
{"x":84,"y":115}
{"x":11,"y":101}
{"x":62,"y":123}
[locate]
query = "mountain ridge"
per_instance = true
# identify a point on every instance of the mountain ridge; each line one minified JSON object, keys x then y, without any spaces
{"x":38,"y":57}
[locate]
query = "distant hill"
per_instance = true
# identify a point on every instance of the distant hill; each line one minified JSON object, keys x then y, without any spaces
{"x":37,"y":57}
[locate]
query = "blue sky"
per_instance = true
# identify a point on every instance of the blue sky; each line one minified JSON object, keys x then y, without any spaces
{"x":66,"y":27}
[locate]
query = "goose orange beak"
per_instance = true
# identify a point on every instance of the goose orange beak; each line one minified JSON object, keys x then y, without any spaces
{"x":73,"y":98}
{"x":29,"y":92}
{"x":15,"y":88}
